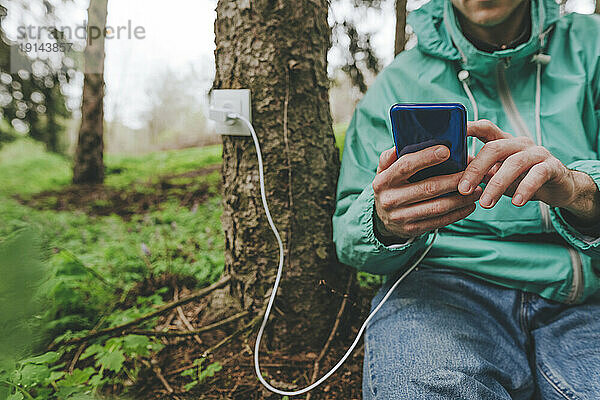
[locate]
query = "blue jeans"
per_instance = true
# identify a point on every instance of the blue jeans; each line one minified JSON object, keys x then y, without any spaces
{"x":447,"y":335}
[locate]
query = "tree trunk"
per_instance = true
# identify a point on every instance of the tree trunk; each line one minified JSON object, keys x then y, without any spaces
{"x":89,"y":164}
{"x":278,"y":50}
{"x":400,"y":26}
{"x":597,"y":7}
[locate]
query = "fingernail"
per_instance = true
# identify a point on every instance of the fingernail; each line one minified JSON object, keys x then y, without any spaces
{"x":517,"y":200}
{"x":485,"y":200}
{"x":441,"y":152}
{"x":464,"y":187}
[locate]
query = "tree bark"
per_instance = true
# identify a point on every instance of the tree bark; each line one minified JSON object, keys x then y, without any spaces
{"x":597,"y":10}
{"x":278,"y":50}
{"x":89,"y":163}
{"x":400,"y":26}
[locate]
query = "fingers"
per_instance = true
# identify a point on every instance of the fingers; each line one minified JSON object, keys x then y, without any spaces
{"x":386,"y":159}
{"x":491,"y":153}
{"x":420,"y":227}
{"x":537,"y":176}
{"x":486,"y":131}
{"x":426,"y":189}
{"x":411,"y":163}
{"x":436,"y":207}
{"x":509,"y":172}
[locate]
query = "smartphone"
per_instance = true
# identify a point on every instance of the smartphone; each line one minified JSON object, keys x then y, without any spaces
{"x":418,"y":126}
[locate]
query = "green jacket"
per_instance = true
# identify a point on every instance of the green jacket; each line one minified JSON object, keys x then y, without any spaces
{"x":530,"y":248}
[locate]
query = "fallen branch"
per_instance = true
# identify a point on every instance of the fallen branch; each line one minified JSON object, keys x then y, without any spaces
{"x":336,"y":325}
{"x":161,"y":310}
{"x":186,"y":321}
{"x":192,"y":332}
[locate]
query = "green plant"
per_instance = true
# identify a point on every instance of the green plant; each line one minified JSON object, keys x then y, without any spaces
{"x":200,"y":374}
{"x":118,"y":361}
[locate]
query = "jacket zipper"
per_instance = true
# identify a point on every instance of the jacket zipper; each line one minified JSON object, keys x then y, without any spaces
{"x":517,"y":122}
{"x":511,"y":111}
{"x":577,"y":282}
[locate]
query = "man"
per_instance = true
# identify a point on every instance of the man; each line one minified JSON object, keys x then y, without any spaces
{"x":506,"y":303}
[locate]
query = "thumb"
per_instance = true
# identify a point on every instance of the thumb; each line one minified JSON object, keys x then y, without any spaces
{"x":386,"y":159}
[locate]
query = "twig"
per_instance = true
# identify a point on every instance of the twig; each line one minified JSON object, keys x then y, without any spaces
{"x":161,"y":310}
{"x":223,"y":342}
{"x":162,"y":379}
{"x":157,"y":371}
{"x":274,"y":365}
{"x":76,"y":357}
{"x":336,"y":324}
{"x":357,"y":352}
{"x":353,"y":302}
{"x":186,"y":321}
{"x":167,"y":322}
{"x":192,"y":332}
{"x":84,"y":344}
{"x":235,"y":334}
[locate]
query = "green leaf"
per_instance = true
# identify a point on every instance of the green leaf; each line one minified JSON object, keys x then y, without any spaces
{"x":90,"y":351}
{"x":190,"y":385}
{"x":136,"y":344}
{"x":189,"y":372}
{"x":16,"y":396}
{"x":210,"y":371}
{"x":198,"y":362}
{"x":97,"y":380}
{"x":48,"y":358}
{"x":66,"y":392}
{"x":112,"y":360}
{"x":78,"y":377}
{"x":54,"y":376}
{"x":34,"y":374}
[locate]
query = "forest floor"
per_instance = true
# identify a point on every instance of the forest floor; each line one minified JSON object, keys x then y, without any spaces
{"x":114,"y":253}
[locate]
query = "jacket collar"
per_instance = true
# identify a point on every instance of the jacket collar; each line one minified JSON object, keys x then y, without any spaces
{"x":439,"y":35}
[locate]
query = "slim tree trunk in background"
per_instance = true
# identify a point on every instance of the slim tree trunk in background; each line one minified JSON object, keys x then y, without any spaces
{"x":89,"y":164}
{"x":278,"y":50}
{"x":400,"y":26}
{"x":597,"y":6}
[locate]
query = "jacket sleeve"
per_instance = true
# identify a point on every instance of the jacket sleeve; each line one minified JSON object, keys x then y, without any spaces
{"x":588,"y":243}
{"x":585,"y":242}
{"x":356,"y":244}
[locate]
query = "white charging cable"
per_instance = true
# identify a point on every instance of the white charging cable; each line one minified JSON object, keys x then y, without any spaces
{"x":234,"y":116}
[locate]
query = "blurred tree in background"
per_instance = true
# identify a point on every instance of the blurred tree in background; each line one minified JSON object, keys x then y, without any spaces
{"x":356,"y":45}
{"x":89,"y":155}
{"x":400,"y":39}
{"x":31,"y":99}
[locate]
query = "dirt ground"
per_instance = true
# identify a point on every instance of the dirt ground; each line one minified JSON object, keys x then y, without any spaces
{"x":285,"y":369}
{"x":138,"y":199}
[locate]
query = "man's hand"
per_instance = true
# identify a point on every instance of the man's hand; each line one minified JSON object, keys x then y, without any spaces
{"x":410,"y":209}
{"x":517,"y":167}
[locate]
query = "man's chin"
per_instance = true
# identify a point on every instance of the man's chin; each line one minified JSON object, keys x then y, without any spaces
{"x":489,"y":17}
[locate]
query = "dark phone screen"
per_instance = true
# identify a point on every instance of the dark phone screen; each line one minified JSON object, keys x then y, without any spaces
{"x":418,"y":126}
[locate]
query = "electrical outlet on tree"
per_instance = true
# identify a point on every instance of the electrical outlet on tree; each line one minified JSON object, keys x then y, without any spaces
{"x":224,"y":101}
